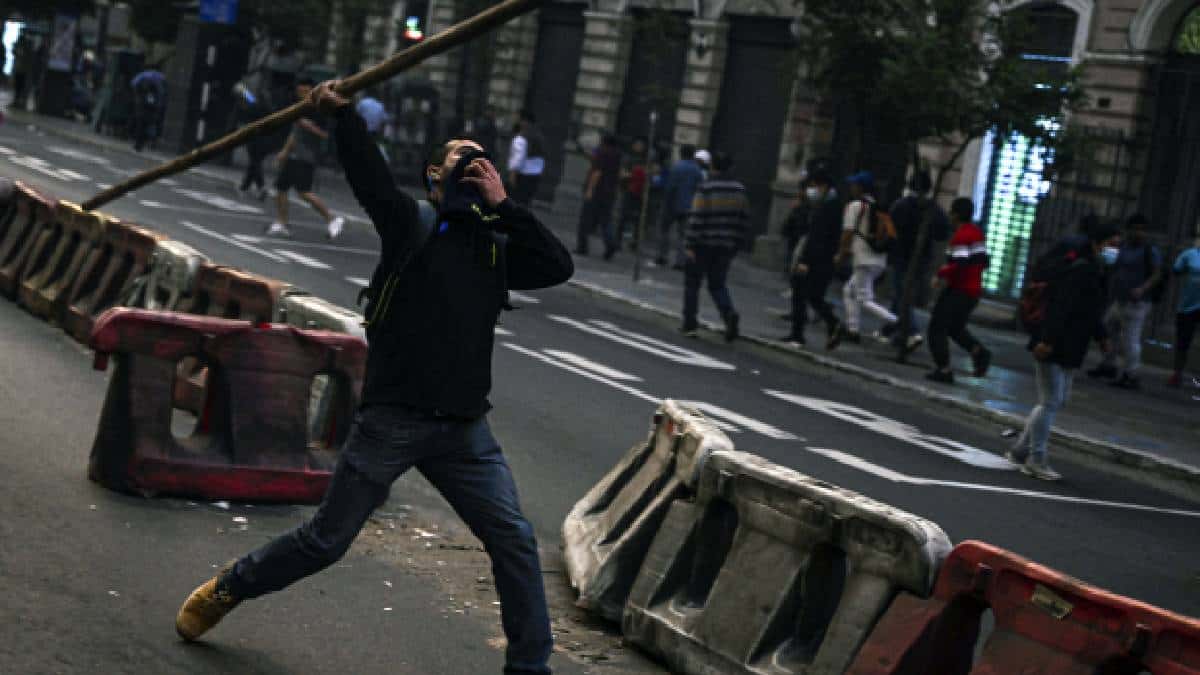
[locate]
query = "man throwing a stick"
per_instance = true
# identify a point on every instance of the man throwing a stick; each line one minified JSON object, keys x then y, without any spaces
{"x":433,"y":304}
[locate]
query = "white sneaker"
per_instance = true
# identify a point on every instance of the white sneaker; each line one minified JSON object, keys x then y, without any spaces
{"x":278,"y":230}
{"x":1040,"y":469}
{"x":335,"y":227}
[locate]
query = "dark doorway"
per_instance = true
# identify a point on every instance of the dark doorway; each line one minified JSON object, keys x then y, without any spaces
{"x":657,"y":61}
{"x":551,"y":92}
{"x":1170,"y":197}
{"x":760,"y":69}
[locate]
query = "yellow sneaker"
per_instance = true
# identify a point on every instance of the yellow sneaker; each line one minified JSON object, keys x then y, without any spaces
{"x":206,"y":606}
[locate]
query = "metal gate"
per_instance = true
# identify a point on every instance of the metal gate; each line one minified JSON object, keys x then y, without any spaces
{"x":760,"y":69}
{"x":551,"y":92}
{"x":654,"y":80}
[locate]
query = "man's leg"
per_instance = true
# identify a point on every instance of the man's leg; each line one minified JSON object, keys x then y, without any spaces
{"x":850,"y":295}
{"x":318,"y":205}
{"x":475,"y":479}
{"x":816,"y":289}
{"x":665,"y":222}
{"x":680,"y":228}
{"x":316,"y":544}
{"x":799,"y":284}
{"x":866,"y":295}
{"x":1134,"y":321}
{"x":1112,"y":323}
{"x":281,"y":204}
{"x":939,"y":327}
{"x":693,"y":274}
{"x":959,"y":331}
{"x":719,"y":262}
{"x":1185,"y":332}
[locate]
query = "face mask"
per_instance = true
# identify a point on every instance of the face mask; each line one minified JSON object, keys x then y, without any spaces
{"x":459,"y":197}
{"x":813,"y":193}
{"x":1110,"y":254}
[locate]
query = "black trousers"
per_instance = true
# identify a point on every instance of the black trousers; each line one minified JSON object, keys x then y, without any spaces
{"x":254,"y":169}
{"x":949,"y":321}
{"x":1185,"y":331}
{"x":808,"y":290}
{"x":595,"y":215}
{"x":711,"y":263}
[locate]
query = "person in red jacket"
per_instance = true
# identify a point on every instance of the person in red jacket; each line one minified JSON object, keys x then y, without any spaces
{"x":961,"y":284}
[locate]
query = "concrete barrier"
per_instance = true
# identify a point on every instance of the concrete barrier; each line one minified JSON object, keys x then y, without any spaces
{"x":172,"y":278}
{"x":44,"y":290}
{"x":771,"y":571}
{"x":608,"y":532}
{"x":311,"y":312}
{"x":110,"y":273}
{"x":23,"y":234}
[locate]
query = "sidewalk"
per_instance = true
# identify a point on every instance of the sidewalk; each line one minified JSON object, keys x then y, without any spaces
{"x":1150,"y":435}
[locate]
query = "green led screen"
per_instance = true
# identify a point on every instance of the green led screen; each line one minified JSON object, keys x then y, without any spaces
{"x":1016,"y":188}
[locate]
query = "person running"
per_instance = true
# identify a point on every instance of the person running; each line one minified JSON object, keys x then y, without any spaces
{"x":858,"y":223}
{"x":812,"y":258}
{"x":428,"y":375}
{"x":716,"y":229}
{"x":297,"y":162}
{"x":1187,"y":316}
{"x":961,"y":283}
{"x":1134,"y":280}
{"x":1074,"y":309}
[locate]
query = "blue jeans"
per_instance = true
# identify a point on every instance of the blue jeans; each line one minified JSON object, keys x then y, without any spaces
{"x":711,"y":263}
{"x":463,"y":461}
{"x":1054,"y":388}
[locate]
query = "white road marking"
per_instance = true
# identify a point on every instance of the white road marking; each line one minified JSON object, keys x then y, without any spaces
{"x":7,"y":151}
{"x":47,"y":169}
{"x":584,"y":362}
{"x":359,"y":281}
{"x":103,"y":186}
{"x":521,"y":297}
{"x":233,"y":242}
{"x":716,"y":412}
{"x":150,"y":203}
{"x":504,"y":332}
{"x":303,"y":259}
{"x":866,"y":419}
{"x":79,"y":155}
{"x":218,"y":201}
{"x":252,"y":239}
{"x":905,"y":479}
{"x":645,"y":343}
{"x":727,"y":420}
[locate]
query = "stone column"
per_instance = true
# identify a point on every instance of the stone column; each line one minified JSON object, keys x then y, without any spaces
{"x":512,"y":64}
{"x":607,"y":38}
{"x":442,"y":70}
{"x":701,"y":81}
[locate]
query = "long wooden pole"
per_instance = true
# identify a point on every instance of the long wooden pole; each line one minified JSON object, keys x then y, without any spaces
{"x":448,"y":39}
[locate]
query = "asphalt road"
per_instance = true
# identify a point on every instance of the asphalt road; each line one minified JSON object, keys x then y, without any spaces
{"x":577,"y":377}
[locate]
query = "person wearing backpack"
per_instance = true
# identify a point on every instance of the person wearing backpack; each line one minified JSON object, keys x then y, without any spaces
{"x":428,"y":375}
{"x":1187,"y":315}
{"x":1063,"y":317}
{"x":961,"y":284}
{"x":1136,"y":283}
{"x":867,"y":236}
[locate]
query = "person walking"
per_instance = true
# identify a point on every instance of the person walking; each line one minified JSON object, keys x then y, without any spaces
{"x":1072,"y":314}
{"x":526,"y":159}
{"x":914,"y":209}
{"x":428,"y":375}
{"x":1135,"y":285}
{"x":717,"y":226}
{"x":250,"y":108}
{"x":679,"y":189}
{"x":150,"y":97}
{"x":812,"y":257}
{"x":599,"y":197}
{"x":297,"y":162}
{"x":634,"y":176}
{"x":1187,"y":316}
{"x":858,"y":235}
{"x":961,"y":283}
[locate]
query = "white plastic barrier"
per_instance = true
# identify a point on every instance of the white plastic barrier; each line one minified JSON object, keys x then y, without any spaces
{"x":311,"y":312}
{"x":172,"y":278}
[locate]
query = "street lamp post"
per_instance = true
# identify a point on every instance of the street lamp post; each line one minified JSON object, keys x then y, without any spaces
{"x":640,"y":235}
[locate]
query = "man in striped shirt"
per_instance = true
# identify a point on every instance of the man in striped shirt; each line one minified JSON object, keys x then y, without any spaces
{"x":716,"y":229}
{"x":961,"y":284}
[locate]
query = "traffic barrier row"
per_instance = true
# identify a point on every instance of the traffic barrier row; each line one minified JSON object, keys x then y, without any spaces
{"x":607,"y":534}
{"x":1045,"y":623}
{"x":28,"y":214}
{"x":251,"y":440}
{"x":770,"y":571}
{"x":743,"y":566}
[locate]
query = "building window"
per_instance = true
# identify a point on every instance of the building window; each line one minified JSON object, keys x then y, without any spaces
{"x":1187,"y":40}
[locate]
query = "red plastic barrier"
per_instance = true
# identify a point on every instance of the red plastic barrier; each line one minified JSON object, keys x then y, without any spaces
{"x":252,"y":440}
{"x":23,"y":234}
{"x":107,"y":273}
{"x":1046,"y":624}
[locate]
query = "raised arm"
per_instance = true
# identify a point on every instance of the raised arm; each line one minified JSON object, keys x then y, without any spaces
{"x":393,"y":212}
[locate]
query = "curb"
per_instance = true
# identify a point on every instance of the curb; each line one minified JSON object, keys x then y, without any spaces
{"x":1171,"y":476}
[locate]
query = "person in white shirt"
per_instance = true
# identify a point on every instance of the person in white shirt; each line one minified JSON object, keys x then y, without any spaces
{"x":526,"y":160}
{"x":868,"y":264}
